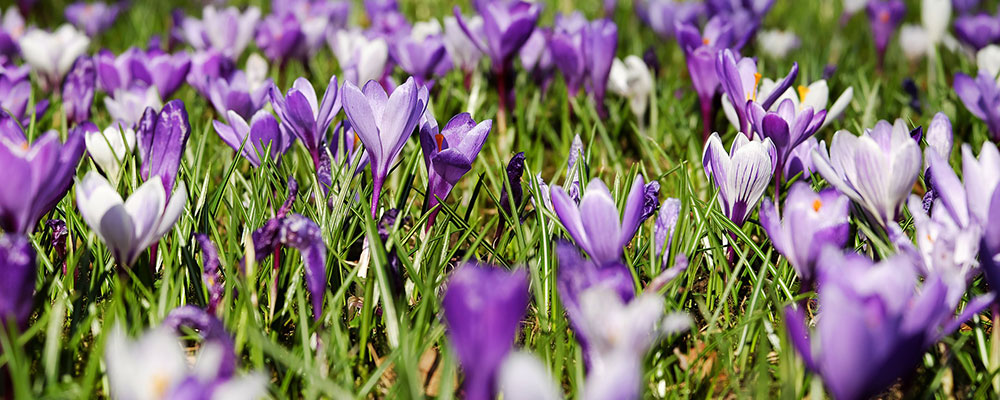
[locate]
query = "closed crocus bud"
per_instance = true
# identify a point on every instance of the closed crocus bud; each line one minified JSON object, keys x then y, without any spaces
{"x":939,"y":136}
{"x":595,"y":224}
{"x":988,"y":59}
{"x":741,"y":175}
{"x":109,"y":148}
{"x":51,"y":54}
{"x":260,"y":135}
{"x":162,"y":138}
{"x":914,"y":41}
{"x":787,"y":127}
{"x":935,"y":16}
{"x":632,"y":80}
{"x":17,"y":288}
{"x":78,"y":91}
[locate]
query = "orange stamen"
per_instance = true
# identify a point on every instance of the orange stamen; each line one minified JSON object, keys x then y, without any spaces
{"x":440,"y":140}
{"x":883,"y":16}
{"x":817,"y":204}
{"x":756,"y":81}
{"x":705,"y":40}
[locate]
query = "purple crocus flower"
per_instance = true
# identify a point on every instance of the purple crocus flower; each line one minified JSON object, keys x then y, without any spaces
{"x":227,"y":31}
{"x":663,"y":230}
{"x":211,"y":275}
{"x":740,"y":81}
{"x":461,"y":50}
{"x":162,"y":139}
{"x":420,"y":57}
{"x":236,"y":94}
{"x":981,"y":97}
{"x":449,"y":153}
{"x":876,"y":170}
{"x":978,"y":30}
{"x":12,"y":27}
{"x":741,"y":175}
{"x":786,"y":127}
{"x":800,"y":159}
{"x":78,"y":91}
{"x":808,"y":223}
{"x":874,"y":324}
{"x":383,"y":123}
{"x":17,"y":288}
{"x":37,"y":174}
{"x":584,"y":52}
{"x":701,"y":49}
{"x":595,"y":224}
{"x":281,"y":39}
{"x":95,"y":17}
{"x":15,"y":92}
{"x":305,"y":116}
{"x":745,"y":15}
{"x":483,"y":306}
{"x":166,"y":72}
{"x":664,"y":15}
{"x":965,"y":6}
{"x":536,"y":58}
{"x":206,"y":67}
{"x":884,"y":17}
{"x":261,"y":135}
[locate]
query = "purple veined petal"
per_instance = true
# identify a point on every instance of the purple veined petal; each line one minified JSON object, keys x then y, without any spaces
{"x":161,"y":145}
{"x":359,"y":112}
{"x":303,"y":234}
{"x":631,"y":219}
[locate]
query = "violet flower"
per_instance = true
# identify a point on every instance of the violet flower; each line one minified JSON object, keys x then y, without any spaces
{"x":257,"y":138}
{"x":536,"y":58}
{"x":299,"y":232}
{"x":361,"y":58}
{"x":238,"y":94}
{"x":206,"y":67}
{"x":211,"y":275}
{"x":981,"y":97}
{"x":227,"y":31}
{"x":449,"y":154}
{"x":166,"y":72}
{"x":383,"y":133}
{"x":740,"y":81}
{"x":745,"y":15}
{"x":95,"y":17}
{"x":316,"y":20}
{"x":281,"y":38}
{"x":15,"y":90}
{"x":800,"y":159}
{"x":17,"y":288}
{"x":162,"y":138}
{"x":483,"y":306}
{"x":52,"y":54}
{"x":786,"y":127}
{"x":663,"y":230}
{"x":858,"y":354}
{"x":305,"y":116}
{"x":462,"y":50}
{"x":978,"y":30}
{"x":12,"y":27}
{"x":884,"y":17}
{"x":571,"y":180}
{"x":808,"y":223}
{"x":595,"y":224}
{"x":78,"y":91}
{"x":701,"y":50}
{"x":420,"y":57}
{"x":876,"y":170}
{"x":584,"y":52}
{"x":37,"y":174}
{"x":664,"y":15}
{"x":741,"y":175}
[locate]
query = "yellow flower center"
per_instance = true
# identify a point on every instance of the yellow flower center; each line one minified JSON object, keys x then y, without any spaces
{"x":817,"y":204}
{"x":160,"y":385}
{"x":756,"y":81}
{"x":803,"y":92}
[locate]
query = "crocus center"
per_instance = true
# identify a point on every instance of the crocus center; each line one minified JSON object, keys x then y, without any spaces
{"x":705,"y":41}
{"x":803,"y":92}
{"x":883,"y":16}
{"x":24,"y":146}
{"x":440,"y":140}
{"x":817,"y":204}
{"x":756,"y":81}
{"x":160,"y":385}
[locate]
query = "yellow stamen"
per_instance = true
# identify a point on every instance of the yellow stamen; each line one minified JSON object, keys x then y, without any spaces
{"x":803,"y":92}
{"x":440,"y":140}
{"x":817,"y":204}
{"x":756,"y":81}
{"x":24,"y":146}
{"x":160,"y":385}
{"x":357,"y":138}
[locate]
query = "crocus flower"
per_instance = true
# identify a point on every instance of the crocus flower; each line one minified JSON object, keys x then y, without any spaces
{"x":383,"y":133}
{"x":584,"y":54}
{"x":78,"y":91}
{"x":281,"y":39}
{"x":663,"y":230}
{"x":506,"y":27}
{"x":109,"y":148}
{"x":37,"y":175}
{"x":12,"y":27}
{"x":778,"y":43}
{"x":166,"y":72}
{"x":128,"y":227}
{"x":815,"y":95}
{"x":227,"y":31}
{"x":237,"y":94}
{"x":914,"y":41}
{"x":419,"y":57}
{"x":362,"y":59}
{"x":127,"y":106}
{"x":786,"y":127}
{"x":981,"y":96}
{"x":93,"y":18}
{"x":523,"y":376}
{"x":483,"y":306}
{"x":536,"y":58}
{"x":701,"y":49}
{"x":631,"y":79}
{"x":876,"y":170}
{"x":304,"y":116}
{"x":15,"y":90}
{"x":884,"y":17}
{"x":260,"y":135}
{"x":965,"y":6}
{"x":745,"y":15}
{"x":17,"y":265}
{"x":162,"y":139}
{"x":663,"y":15}
{"x":449,"y":153}
{"x":595,"y":224}
{"x":978,"y":30}
{"x":944,"y":248}
{"x":982,"y":178}
{"x":809,"y":222}
{"x":858,"y":354}
{"x":741,"y":175}
{"x":935,"y":15}
{"x":939,"y":136}
{"x":988,"y":59}
{"x":572,"y":178}
{"x":316,"y":19}
{"x":462,"y":50}
{"x":211,"y":275}
{"x":800,"y":159}
{"x":51,"y":54}
{"x":301,"y":233}
{"x":206,"y":67}
{"x":740,"y":82}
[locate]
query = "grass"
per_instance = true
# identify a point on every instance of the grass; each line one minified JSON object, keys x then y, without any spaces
{"x":371,"y":342}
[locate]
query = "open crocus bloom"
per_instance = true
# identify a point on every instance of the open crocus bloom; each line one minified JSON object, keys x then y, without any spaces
{"x":740,"y":83}
{"x":785,"y":126}
{"x":260,"y":134}
{"x":981,"y":96}
{"x":109,"y":148}
{"x":742,"y":174}
{"x":815,"y":95}
{"x":51,"y":54}
{"x":227,"y":31}
{"x":595,"y":224}
{"x":809,"y":222}
{"x":128,"y":227}
{"x":449,"y":153}
{"x":306,"y":116}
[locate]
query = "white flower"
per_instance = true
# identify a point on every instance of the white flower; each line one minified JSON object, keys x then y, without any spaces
{"x":256,"y":71}
{"x":914,"y":41}
{"x":362,"y":59}
{"x":51,"y":54}
{"x":422,"y":29}
{"x":778,"y":43}
{"x":631,"y":79}
{"x":127,"y":106}
{"x":853,"y":6}
{"x":109,"y":148}
{"x":522,"y":376}
{"x":935,"y":16}
{"x":128,"y":227}
{"x":988,"y":60}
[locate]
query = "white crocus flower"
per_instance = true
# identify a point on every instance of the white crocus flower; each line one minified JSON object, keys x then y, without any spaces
{"x":127,"y":106}
{"x":778,"y":43}
{"x":914,"y":40}
{"x":109,"y":148}
{"x":523,"y":376}
{"x":815,"y":95}
{"x":362,"y":59}
{"x":988,"y":60}
{"x":256,"y":71}
{"x":631,"y":79}
{"x":935,"y":16}
{"x":51,"y":54}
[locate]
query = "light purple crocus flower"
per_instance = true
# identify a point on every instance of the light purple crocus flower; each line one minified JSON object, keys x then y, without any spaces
{"x":584,"y":52}
{"x":663,"y":230}
{"x":664,"y":15}
{"x":740,"y":81}
{"x":51,"y":54}
{"x":126,"y":106}
{"x":449,"y":153}
{"x":701,"y":49}
{"x":884,"y":17}
{"x":536,"y":58}
{"x":874,"y":323}
{"x":463,"y":51}
{"x":17,"y":288}
{"x":206,"y":67}
{"x":595,"y":224}
{"x":12,"y":27}
{"x":420,"y":57}
{"x":800,"y":160}
{"x":237,"y":94}
{"x":261,"y":135}
{"x":303,"y":115}
{"x":136,"y":69}
{"x":741,"y":175}
{"x":383,"y":123}
{"x":483,"y":306}
{"x":281,"y":38}
{"x":227,"y":31}
{"x":978,"y":30}
{"x":939,"y":135}
{"x":876,"y":170}
{"x":299,"y":232}
{"x":162,"y":138}
{"x":808,"y":223}
{"x":94,"y":17}
{"x":37,"y":174}
{"x":15,"y":92}
{"x":786,"y":127}
{"x":745,"y":15}
{"x":78,"y":91}
{"x":981,"y":97}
